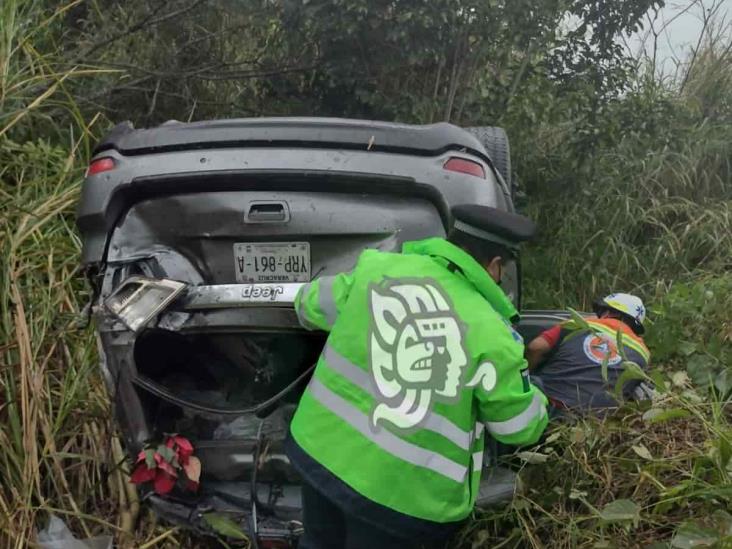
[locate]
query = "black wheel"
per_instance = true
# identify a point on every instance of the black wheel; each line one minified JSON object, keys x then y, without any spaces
{"x":495,"y":141}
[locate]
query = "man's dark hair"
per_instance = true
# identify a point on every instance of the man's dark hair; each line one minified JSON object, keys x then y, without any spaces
{"x":481,"y":250}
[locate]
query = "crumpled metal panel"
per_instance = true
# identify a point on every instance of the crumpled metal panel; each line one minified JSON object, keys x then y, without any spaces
{"x":191,"y":236}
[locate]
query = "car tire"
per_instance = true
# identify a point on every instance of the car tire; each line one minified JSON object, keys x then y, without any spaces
{"x":495,"y":142}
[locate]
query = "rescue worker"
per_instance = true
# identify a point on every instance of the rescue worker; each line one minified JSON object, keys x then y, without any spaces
{"x":571,"y":373}
{"x":420,"y":360}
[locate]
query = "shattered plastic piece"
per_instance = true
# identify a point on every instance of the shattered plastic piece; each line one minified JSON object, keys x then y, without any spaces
{"x":58,"y":536}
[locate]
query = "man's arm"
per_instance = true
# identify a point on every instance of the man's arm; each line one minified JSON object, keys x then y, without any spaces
{"x":536,"y":351}
{"x":319,"y":302}
{"x":512,"y":409}
{"x":541,"y":345}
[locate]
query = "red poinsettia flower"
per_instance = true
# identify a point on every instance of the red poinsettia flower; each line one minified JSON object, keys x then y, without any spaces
{"x":193,"y":473}
{"x":142,"y":474}
{"x":161,"y":465}
{"x":181,"y":446}
{"x":163,"y":483}
{"x":165,"y":466}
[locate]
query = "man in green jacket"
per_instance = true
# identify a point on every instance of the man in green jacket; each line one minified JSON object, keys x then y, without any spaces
{"x":420,"y":360}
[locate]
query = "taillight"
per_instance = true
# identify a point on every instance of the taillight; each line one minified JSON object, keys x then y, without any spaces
{"x":100,"y":165}
{"x":462,"y":165}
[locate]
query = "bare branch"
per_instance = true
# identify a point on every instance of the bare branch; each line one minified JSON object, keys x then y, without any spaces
{"x":238,"y":75}
{"x":146,"y":22}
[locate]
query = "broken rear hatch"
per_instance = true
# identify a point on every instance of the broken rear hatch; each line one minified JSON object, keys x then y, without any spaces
{"x":225,"y":361}
{"x":233,"y":394}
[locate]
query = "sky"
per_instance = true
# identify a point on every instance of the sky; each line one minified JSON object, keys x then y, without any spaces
{"x":680,"y":21}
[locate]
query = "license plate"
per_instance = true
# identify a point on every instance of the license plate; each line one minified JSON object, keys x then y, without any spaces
{"x":272,"y":261}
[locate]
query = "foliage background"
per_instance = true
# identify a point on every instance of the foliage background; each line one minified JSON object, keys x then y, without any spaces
{"x":627,"y":171}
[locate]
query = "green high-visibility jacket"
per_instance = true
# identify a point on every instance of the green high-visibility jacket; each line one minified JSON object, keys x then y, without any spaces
{"x":420,"y":360}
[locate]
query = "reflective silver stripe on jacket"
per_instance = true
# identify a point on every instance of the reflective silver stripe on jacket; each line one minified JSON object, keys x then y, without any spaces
{"x":477,"y":461}
{"x":300,"y":311}
{"x":326,"y":301}
{"x":384,"y":439}
{"x":478,"y":456}
{"x":519,"y":422}
{"x":433,"y":422}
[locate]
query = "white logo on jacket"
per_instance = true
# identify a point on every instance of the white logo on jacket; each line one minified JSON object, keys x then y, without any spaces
{"x":416,"y":350}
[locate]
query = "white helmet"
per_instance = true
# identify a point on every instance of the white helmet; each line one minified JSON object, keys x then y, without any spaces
{"x":626,"y":304}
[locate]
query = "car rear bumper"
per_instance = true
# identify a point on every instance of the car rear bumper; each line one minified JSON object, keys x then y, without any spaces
{"x":108,"y":195}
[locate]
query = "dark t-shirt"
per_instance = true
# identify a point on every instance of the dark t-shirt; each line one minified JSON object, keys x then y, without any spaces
{"x":572,"y":377}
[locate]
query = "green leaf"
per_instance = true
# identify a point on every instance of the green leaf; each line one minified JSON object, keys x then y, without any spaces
{"x":631,"y":371}
{"x":642,"y":451}
{"x":725,"y":452}
{"x":603,"y":367}
{"x":621,"y":510}
{"x":224,"y":525}
{"x":659,"y":415}
{"x":723,"y":381}
{"x":574,"y":332}
{"x":619,"y":343}
{"x":150,"y":458}
{"x":659,"y":381}
{"x":168,"y":454}
{"x":690,"y":535}
{"x":578,"y":321}
{"x":701,"y":369}
{"x":532,"y":457}
{"x":687,"y":348}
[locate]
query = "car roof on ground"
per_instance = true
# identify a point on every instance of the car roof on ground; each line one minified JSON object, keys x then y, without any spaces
{"x":340,"y":133}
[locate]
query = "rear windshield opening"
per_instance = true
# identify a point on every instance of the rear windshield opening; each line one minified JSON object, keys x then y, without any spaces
{"x":226,"y":371}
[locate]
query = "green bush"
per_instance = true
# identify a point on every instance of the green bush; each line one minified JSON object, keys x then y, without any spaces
{"x":692,"y":329}
{"x":637,"y":479}
{"x":649,"y":208}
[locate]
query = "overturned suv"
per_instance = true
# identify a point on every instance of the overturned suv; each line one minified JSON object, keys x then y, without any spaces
{"x":196,"y":239}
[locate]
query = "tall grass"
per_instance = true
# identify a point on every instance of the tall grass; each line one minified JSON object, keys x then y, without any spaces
{"x":659,"y":478}
{"x":58,"y":452}
{"x":658,"y":209}
{"x":54,"y":444}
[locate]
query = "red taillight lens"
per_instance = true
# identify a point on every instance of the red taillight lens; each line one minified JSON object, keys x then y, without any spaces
{"x":462,"y":165}
{"x":100,"y":165}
